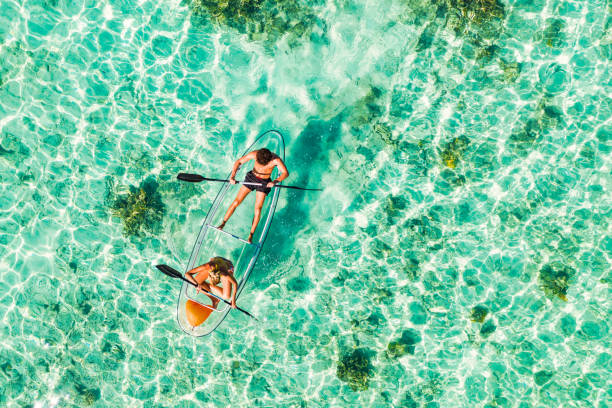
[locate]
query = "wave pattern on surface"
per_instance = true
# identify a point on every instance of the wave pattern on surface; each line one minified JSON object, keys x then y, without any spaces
{"x":459,"y":255}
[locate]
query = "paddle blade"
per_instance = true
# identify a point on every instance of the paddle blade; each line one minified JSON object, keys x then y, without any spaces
{"x":192,"y":178}
{"x":167,"y":270}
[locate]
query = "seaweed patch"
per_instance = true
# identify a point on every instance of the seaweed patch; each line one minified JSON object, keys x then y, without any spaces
{"x":469,"y":14}
{"x":479,"y":313}
{"x":554,"y":279}
{"x":356,"y":369}
{"x":142,"y":209}
{"x":545,"y":116}
{"x":406,"y":344}
{"x":453,"y":151}
{"x":553,"y":35}
{"x":260,"y":19}
{"x":511,"y":70}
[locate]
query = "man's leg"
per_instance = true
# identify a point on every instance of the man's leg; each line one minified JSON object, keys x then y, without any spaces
{"x":260,"y":197}
{"x":242,"y":193}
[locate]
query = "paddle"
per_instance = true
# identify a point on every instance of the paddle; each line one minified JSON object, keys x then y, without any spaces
{"x":196,"y":178}
{"x":173,"y":273}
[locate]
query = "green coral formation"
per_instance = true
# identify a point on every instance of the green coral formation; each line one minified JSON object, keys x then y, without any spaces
{"x":527,"y":136}
{"x":552,"y":35}
{"x":411,"y":267}
{"x":554,"y":280}
{"x":488,"y":328}
{"x":477,"y":21}
{"x":141,"y":209}
{"x":511,"y":70}
{"x":479,"y":313}
{"x":382,"y":295}
{"x":394,"y":207}
{"x":478,"y":15}
{"x":367,"y":110}
{"x":544,"y":117}
{"x":88,"y":395}
{"x":383,"y":131}
{"x":261,"y":19}
{"x":12,"y":149}
{"x":453,"y":150}
{"x":369,"y":325}
{"x":542,"y":377}
{"x":479,"y":10}
{"x":547,"y":115}
{"x":356,"y":369}
{"x":397,"y":349}
{"x":405,"y":345}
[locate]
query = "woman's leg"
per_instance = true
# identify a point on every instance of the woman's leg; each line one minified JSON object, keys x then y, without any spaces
{"x":242,"y":193}
{"x":209,"y":288}
{"x":202,"y":275}
{"x":224,"y":291}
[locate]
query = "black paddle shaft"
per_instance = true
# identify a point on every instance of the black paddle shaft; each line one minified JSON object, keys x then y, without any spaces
{"x":196,"y":178}
{"x":173,"y":273}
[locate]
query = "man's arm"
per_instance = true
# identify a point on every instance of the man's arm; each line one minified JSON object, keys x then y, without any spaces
{"x":284,"y":173}
{"x":240,"y":162}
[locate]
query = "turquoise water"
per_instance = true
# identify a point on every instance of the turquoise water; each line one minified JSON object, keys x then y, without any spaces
{"x":458,"y":256}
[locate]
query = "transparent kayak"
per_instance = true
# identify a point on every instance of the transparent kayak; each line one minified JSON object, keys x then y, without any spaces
{"x":229,"y":243}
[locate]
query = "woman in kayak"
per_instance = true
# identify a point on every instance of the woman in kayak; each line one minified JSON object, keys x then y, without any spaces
{"x":265,"y":162}
{"x":217,"y":270}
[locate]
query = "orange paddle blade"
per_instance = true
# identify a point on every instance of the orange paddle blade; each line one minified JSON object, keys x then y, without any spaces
{"x":197,"y":313}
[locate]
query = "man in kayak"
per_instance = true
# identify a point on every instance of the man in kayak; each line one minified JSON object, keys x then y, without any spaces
{"x":265,"y":162}
{"x":217,"y":270}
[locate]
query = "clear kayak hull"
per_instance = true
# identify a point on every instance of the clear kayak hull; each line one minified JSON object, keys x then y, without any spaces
{"x":229,"y":243}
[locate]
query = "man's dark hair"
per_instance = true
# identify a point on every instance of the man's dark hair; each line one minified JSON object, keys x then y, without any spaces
{"x":264,"y":156}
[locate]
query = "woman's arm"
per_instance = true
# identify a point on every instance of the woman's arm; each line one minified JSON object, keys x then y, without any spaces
{"x":189,"y":275}
{"x":240,"y":162}
{"x":234,"y":288}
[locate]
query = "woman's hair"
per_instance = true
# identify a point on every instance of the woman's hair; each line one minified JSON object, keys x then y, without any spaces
{"x":220,"y":266}
{"x":264,"y":156}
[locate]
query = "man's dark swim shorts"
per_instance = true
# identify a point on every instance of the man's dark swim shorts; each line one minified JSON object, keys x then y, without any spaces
{"x":252,"y":178}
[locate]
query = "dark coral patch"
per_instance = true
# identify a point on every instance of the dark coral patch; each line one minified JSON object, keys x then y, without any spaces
{"x":299,"y":284}
{"x":511,"y":70}
{"x":405,"y":344}
{"x":553,"y":35}
{"x":478,"y":10}
{"x":142,"y":209}
{"x":88,"y":395}
{"x":480,"y":16}
{"x":453,"y":150}
{"x":542,"y":377}
{"x":266,"y":20}
{"x":554,"y":279}
{"x":356,"y":369}
{"x":479,"y":313}
{"x":394,"y":207}
{"x":488,"y":328}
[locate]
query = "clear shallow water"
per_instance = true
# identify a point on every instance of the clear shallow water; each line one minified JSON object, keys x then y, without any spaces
{"x":465,"y":163}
